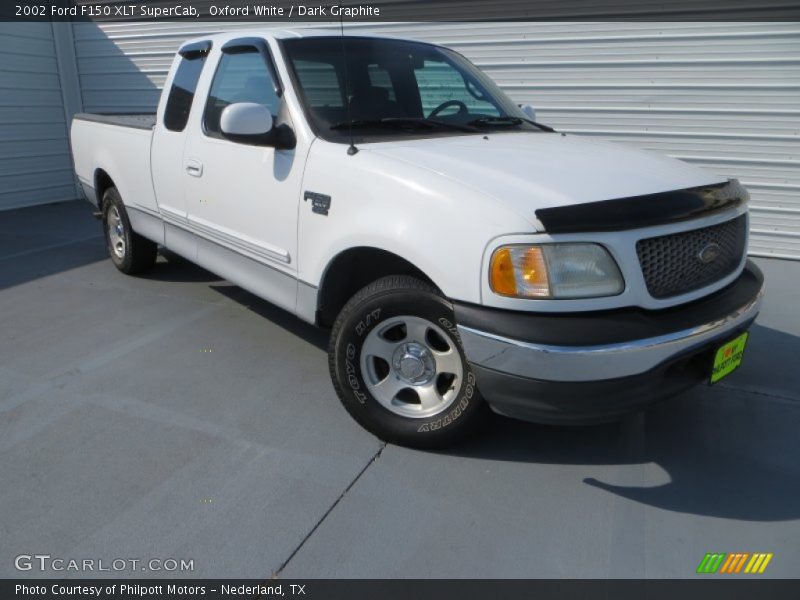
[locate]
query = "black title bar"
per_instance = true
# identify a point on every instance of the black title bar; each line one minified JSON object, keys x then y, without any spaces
{"x":702,"y":587}
{"x":400,"y":10}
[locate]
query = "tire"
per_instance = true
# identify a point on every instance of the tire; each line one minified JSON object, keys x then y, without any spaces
{"x":398,"y":366}
{"x":130,"y":252}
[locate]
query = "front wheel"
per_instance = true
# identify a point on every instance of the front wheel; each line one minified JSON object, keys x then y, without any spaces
{"x":398,"y":366}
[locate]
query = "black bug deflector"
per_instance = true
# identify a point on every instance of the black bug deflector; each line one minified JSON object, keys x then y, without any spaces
{"x":643,"y":211}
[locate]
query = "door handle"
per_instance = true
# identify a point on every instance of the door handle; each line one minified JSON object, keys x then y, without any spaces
{"x":194,"y":167}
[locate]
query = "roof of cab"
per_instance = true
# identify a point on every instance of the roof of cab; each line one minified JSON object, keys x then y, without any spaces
{"x":281,"y":34}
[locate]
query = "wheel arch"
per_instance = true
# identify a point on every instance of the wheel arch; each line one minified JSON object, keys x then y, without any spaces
{"x":102,"y":182}
{"x":352,"y":269}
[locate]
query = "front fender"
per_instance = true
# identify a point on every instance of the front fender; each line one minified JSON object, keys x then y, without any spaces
{"x":437,"y":225}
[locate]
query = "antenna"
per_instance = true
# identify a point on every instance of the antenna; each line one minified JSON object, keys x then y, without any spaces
{"x":352,"y":149}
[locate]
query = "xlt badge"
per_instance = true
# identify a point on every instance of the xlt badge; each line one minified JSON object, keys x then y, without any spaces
{"x":320,"y":203}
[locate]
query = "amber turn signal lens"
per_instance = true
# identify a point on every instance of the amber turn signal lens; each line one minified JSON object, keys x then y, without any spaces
{"x":519,"y":271}
{"x":502,"y":277}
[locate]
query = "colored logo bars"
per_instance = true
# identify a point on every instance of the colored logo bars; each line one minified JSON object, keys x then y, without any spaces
{"x":720,"y":562}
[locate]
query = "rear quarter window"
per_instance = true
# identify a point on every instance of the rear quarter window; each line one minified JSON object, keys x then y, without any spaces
{"x":181,"y":94}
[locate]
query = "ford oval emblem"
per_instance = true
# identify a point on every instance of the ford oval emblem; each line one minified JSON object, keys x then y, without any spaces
{"x":709,"y":253}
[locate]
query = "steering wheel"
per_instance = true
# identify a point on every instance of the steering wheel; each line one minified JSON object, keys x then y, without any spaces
{"x":462,"y":108}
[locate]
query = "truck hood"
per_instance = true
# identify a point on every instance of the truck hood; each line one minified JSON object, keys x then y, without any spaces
{"x":528,"y":171}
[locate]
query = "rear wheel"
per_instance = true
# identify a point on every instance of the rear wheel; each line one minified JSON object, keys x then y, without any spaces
{"x":130,"y":252}
{"x":398,"y":366}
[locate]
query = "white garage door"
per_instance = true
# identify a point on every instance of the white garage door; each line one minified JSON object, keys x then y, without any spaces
{"x":35,"y":165}
{"x":725,"y":96}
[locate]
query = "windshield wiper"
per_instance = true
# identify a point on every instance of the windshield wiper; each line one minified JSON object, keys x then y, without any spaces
{"x":398,"y":122}
{"x":541,"y":126}
{"x":508,"y":121}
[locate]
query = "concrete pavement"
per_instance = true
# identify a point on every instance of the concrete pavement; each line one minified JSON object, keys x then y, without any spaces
{"x":177,"y":416}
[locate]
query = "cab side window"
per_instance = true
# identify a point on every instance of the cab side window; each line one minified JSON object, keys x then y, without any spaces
{"x":240,"y":77}
{"x":181,"y":94}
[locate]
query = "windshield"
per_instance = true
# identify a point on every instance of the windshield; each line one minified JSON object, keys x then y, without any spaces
{"x":395,"y":88}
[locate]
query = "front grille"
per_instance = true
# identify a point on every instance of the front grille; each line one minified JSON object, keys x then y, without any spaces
{"x":672,"y":264}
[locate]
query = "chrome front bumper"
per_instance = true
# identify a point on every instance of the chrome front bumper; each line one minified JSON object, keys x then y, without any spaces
{"x":600,"y":362}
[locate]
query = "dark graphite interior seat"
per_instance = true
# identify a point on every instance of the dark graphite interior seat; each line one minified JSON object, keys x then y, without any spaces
{"x":373,"y":103}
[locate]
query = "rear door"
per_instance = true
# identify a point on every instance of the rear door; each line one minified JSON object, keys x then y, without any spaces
{"x":169,"y":139}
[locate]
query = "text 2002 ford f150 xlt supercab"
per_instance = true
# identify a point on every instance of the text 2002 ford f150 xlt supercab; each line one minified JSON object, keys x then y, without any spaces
{"x":462,"y":254}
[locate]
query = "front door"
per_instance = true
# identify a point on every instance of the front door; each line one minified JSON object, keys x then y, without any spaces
{"x":242,"y":198}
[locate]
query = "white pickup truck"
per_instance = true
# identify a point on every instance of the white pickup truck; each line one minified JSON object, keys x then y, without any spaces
{"x":462,"y":254}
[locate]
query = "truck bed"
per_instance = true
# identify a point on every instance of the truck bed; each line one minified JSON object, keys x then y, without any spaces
{"x":134,"y":120}
{"x":119,"y":143}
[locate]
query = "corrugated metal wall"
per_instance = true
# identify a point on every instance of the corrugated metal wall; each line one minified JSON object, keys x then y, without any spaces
{"x":725,"y":96}
{"x":35,"y":165}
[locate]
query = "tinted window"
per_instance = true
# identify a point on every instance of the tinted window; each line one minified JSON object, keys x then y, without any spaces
{"x":241,"y":77}
{"x":182,"y":91}
{"x":380,"y":78}
{"x":439,"y":82}
{"x":391,"y":83}
{"x":320,"y":82}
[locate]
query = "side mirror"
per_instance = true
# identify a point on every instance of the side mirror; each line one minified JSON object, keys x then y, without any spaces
{"x":529,"y":111}
{"x":248,"y":123}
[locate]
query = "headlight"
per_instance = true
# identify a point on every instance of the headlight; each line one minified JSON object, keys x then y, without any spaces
{"x":555,"y":271}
